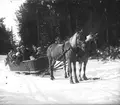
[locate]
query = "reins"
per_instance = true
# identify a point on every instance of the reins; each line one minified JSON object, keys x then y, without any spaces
{"x":66,"y":52}
{"x":63,"y":54}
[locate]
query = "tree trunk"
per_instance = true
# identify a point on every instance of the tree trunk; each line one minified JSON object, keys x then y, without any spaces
{"x":69,"y":25}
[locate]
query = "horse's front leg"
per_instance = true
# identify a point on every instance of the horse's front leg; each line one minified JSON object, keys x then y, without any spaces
{"x":51,"y":69}
{"x":70,"y":71}
{"x":64,"y":62}
{"x":52,"y":74}
{"x":84,"y":71}
{"x":80,"y":64}
{"x":75,"y":75}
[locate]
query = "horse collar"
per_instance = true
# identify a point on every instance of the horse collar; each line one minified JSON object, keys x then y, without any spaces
{"x":73,"y":49}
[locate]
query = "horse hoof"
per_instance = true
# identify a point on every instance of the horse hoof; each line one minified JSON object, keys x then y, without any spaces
{"x":80,"y":79}
{"x":52,"y":78}
{"x":85,"y":78}
{"x":71,"y":82}
{"x":76,"y":81}
{"x":66,"y":76}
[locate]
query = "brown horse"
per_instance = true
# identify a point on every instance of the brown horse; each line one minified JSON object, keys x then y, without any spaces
{"x":83,"y":55}
{"x":65,"y":52}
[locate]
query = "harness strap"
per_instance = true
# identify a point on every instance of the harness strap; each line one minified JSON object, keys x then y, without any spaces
{"x":63,"y":47}
{"x":64,"y":51}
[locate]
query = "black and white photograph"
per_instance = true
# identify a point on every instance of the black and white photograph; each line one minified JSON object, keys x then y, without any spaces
{"x":59,"y":52}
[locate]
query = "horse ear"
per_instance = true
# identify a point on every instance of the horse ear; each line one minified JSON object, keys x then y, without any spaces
{"x":95,"y":36}
{"x":81,"y":30}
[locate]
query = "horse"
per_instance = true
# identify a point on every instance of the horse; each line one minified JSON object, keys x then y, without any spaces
{"x":83,"y":55}
{"x":65,"y":52}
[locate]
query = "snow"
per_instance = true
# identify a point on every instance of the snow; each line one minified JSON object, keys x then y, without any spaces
{"x":102,"y":88}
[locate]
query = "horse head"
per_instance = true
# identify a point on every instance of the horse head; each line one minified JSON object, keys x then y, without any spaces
{"x":90,"y":42}
{"x":91,"y":37}
{"x":77,"y":39}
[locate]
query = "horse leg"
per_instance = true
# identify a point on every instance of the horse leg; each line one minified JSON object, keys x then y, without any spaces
{"x":52,"y":76}
{"x":67,"y":71}
{"x":75,"y":75}
{"x":84,"y":70}
{"x":64,"y":61}
{"x":80,"y":78}
{"x":51,"y":69}
{"x":70,"y":71}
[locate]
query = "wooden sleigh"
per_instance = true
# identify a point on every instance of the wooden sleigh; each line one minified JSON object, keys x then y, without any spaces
{"x":30,"y":66}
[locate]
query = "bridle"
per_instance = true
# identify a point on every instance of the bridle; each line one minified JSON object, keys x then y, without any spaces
{"x":80,"y":43}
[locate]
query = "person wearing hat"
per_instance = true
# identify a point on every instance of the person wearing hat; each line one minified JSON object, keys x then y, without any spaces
{"x":34,"y":50}
{"x":26,"y":53}
{"x":19,"y":55}
{"x":57,"y":40}
{"x":39,"y":53}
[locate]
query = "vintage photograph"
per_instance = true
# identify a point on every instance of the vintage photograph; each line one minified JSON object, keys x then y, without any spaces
{"x":59,"y":52}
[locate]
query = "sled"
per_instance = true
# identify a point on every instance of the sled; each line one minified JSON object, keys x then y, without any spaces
{"x":36,"y":65}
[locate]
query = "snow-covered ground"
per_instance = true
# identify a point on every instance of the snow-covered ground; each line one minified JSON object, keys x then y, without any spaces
{"x":104,"y":88}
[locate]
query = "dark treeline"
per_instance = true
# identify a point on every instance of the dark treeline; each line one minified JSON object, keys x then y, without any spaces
{"x":41,"y":21}
{"x":6,"y":38}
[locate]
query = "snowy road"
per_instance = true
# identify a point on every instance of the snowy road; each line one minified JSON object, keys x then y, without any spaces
{"x":29,"y":89}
